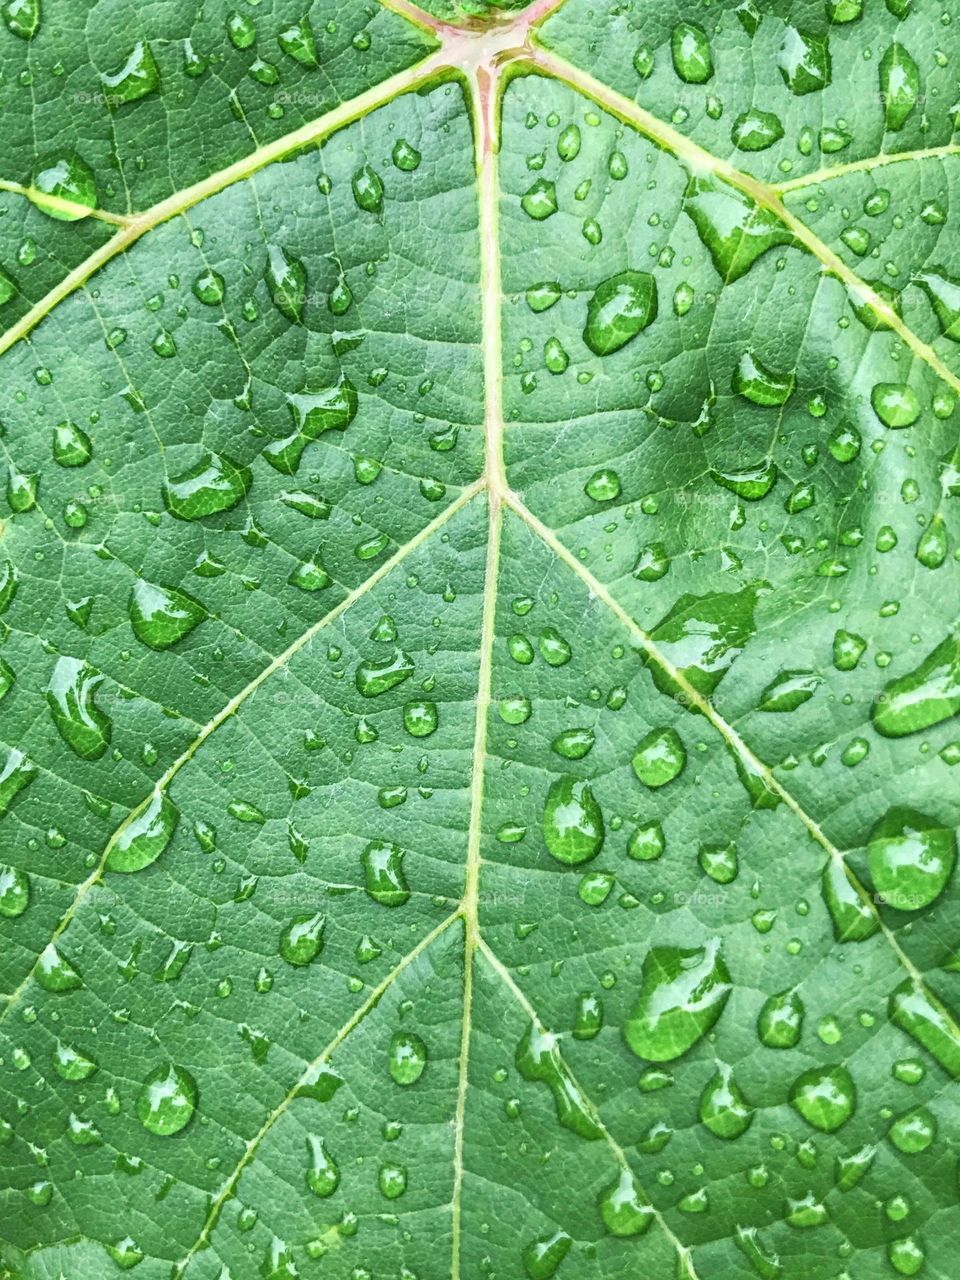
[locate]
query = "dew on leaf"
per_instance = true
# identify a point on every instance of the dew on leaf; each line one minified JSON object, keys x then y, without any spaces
{"x":302,"y":939}
{"x":690,"y":48}
{"x":624,"y":1208}
{"x":538,"y":1059}
{"x":84,"y":727}
{"x":167,"y":1100}
{"x":911,"y":858}
{"x":64,"y":187}
{"x":659,"y":757}
{"x":213,"y":484}
{"x":573,"y":827}
{"x":682,"y":994}
{"x":825,"y":1097}
{"x":383,"y":873}
{"x":621,"y":307}
{"x":407,"y":1057}
{"x":134,"y":79}
{"x":146,"y":835}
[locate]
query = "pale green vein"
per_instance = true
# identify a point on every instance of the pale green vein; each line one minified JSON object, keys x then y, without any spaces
{"x":867,"y":166}
{"x":235,"y":703}
{"x":63,"y":205}
{"x":254,"y":1143}
{"x":705,"y":707}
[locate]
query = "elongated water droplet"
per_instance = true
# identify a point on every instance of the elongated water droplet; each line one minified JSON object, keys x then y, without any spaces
{"x":167,"y":1100}
{"x":160,"y":616}
{"x":701,"y":636}
{"x":789,"y":690}
{"x":621,"y":307}
{"x":374,"y":678}
{"x":919,"y":1013}
{"x":70,"y":695}
{"x":925,"y":696}
{"x":538,"y":1059}
{"x":752,"y":483}
{"x":755,"y":130}
{"x":368,"y":189}
{"x":911,"y":858}
{"x":71,"y":1064}
{"x":287,"y":281}
{"x":145,"y":838}
{"x":764,"y":1261}
{"x":682,"y":994}
{"x":755,"y":382}
{"x":14,"y":891}
{"x":850,"y":1169}
{"x":9,"y":583}
{"x":383,"y":873}
{"x":212,"y":485}
{"x":899,"y":85}
{"x":853,"y":919}
{"x":18,"y":772}
{"x":573,"y":828}
{"x":692,"y":59}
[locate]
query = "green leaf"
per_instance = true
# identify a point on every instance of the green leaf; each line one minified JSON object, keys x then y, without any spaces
{"x":478,"y":640}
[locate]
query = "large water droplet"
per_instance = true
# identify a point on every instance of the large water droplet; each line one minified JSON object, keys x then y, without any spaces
{"x":853,"y":918}
{"x":14,"y":891}
{"x":407,"y":1057}
{"x":735,"y":230}
{"x":55,"y":973}
{"x":323,"y":1175}
{"x":804,"y":61}
{"x":690,"y":48}
{"x":911,"y":858}
{"x":18,"y":772}
{"x":302,"y":940}
{"x":64,"y":187}
{"x":825,"y":1096}
{"x":538,"y":1059}
{"x":542,"y":1257}
{"x":383,"y":873}
{"x":682,"y":994}
{"x":160,"y":616}
{"x":659,"y":758}
{"x":899,"y":85}
{"x":925,"y":696}
{"x":143,"y":840}
{"x":624,"y":1208}
{"x":573,"y":829}
{"x":332,"y":408}
{"x":138,"y":76}
{"x":287,"y":280}
{"x":167,"y":1100}
{"x":620,"y":308}
{"x":70,"y":695}
{"x":723,"y":1108}
{"x":781,"y":1020}
{"x":374,"y":678}
{"x":212,"y":485}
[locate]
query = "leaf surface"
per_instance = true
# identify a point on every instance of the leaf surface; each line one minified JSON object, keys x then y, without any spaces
{"x":479,"y":666}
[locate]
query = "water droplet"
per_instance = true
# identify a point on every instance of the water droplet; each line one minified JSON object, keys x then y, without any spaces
{"x":287,"y":281}
{"x":573,"y":828}
{"x":899,"y":85}
{"x":209,"y":288}
{"x":18,"y":772}
{"x":692,"y":59}
{"x":64,"y":187}
{"x":420,"y":719}
{"x":659,"y":758}
{"x":624,"y":1208}
{"x":212,"y":485}
{"x":70,"y":695}
{"x":853,"y":918}
{"x":682,"y":994}
{"x":383,"y":872}
{"x":142,"y":841}
{"x":332,"y":408}
{"x":723,"y":1108}
{"x":621,"y":307}
{"x":302,"y":939}
{"x":299,"y":43}
{"x":542,"y":1257}
{"x":138,"y":76}
{"x":895,"y":404}
{"x":734,"y":229}
{"x":921,"y":1015}
{"x":167,"y":1100}
{"x":755,"y":382}
{"x":925,"y":696}
{"x":781,"y":1020}
{"x":71,"y":445}
{"x":789,"y":690}
{"x":755,"y":130}
{"x":323,"y":1175}
{"x":407,"y":1057}
{"x":914,"y":1131}
{"x":368,"y":189}
{"x":22,"y":17}
{"x":804,"y":61}
{"x":160,"y":616}
{"x":538,"y":1059}
{"x":911,"y":858}
{"x":825,"y":1097}
{"x":55,"y":973}
{"x":540,"y":200}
